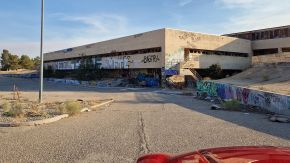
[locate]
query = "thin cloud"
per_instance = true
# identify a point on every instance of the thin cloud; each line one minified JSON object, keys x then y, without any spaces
{"x":98,"y":23}
{"x":184,"y":2}
{"x":255,"y":14}
{"x":84,"y":29}
{"x":237,"y":3}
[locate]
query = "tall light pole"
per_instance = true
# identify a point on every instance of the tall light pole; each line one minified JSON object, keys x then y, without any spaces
{"x":41,"y":53}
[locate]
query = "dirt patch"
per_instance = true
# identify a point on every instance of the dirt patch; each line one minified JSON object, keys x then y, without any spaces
{"x":25,"y":111}
{"x":265,"y":77}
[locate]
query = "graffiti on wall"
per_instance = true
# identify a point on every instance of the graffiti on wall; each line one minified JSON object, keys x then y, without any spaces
{"x":209,"y":87}
{"x":151,"y":58}
{"x":173,"y":59}
{"x":114,"y":62}
{"x":266,"y":100}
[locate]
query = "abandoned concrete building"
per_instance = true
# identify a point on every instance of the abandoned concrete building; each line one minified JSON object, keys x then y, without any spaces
{"x":166,"y":52}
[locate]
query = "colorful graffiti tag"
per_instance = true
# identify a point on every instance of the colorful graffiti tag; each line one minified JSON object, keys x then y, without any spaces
{"x":270,"y":101}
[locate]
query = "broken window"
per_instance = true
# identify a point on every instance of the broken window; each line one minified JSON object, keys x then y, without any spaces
{"x":223,"y":53}
{"x":265,"y":51}
{"x":286,"y":49}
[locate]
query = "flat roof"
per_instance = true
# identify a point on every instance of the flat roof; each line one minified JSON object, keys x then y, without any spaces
{"x":256,"y":30}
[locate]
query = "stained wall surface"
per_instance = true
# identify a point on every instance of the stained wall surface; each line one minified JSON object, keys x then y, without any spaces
{"x":177,"y":41}
{"x":153,"y":39}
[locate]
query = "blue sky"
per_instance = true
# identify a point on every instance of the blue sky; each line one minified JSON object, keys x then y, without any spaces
{"x":71,"y":23}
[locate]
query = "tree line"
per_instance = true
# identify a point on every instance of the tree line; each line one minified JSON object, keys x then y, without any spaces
{"x":14,"y":62}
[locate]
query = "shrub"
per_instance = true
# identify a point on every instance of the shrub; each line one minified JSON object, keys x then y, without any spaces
{"x":61,"y":109}
{"x":35,"y":110}
{"x":72,"y":107}
{"x":215,"y":72}
{"x":231,"y":105}
{"x":16,"y":110}
{"x":6,"y":106}
{"x":265,"y":77}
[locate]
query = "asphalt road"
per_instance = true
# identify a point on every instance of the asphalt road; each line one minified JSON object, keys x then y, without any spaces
{"x":139,"y":122}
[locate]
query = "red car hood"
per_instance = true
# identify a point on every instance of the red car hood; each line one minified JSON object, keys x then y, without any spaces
{"x":264,"y":154}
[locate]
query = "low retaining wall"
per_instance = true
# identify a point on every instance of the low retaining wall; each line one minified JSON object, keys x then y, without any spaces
{"x":29,"y":76}
{"x":65,"y":81}
{"x":266,"y":100}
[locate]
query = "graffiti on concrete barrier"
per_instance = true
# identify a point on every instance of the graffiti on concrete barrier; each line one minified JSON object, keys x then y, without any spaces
{"x":266,"y":100}
{"x":288,"y":103}
{"x":209,"y":87}
{"x":150,"y":58}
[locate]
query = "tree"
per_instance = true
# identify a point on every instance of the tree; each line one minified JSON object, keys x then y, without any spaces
{"x":215,"y":71}
{"x":5,"y":60}
{"x":36,"y":62}
{"x":14,"y":62}
{"x":26,"y":63}
{"x":88,"y":70}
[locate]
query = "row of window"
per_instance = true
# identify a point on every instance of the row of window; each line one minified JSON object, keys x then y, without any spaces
{"x":133,"y":52}
{"x":116,"y":53}
{"x":214,"y":52}
{"x":265,"y":51}
{"x":259,"y":52}
{"x":263,"y":35}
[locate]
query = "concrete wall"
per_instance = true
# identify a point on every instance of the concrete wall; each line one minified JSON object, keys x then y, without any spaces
{"x":266,"y":100}
{"x":271,"y":58}
{"x":201,"y":61}
{"x":134,"y":42}
{"x":271,"y":43}
{"x":176,"y":41}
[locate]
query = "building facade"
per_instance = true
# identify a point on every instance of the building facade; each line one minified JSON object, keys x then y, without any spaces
{"x":163,"y":52}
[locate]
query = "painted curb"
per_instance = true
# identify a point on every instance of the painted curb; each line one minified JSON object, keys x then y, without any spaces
{"x":85,"y":110}
{"x":34,"y":123}
{"x":102,"y":104}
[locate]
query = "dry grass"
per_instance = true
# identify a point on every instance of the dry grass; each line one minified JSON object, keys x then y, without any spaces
{"x":6,"y":106}
{"x":16,"y":109}
{"x":72,"y":107}
{"x":232,"y":105}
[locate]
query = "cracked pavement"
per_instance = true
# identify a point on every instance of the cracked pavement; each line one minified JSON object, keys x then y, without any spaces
{"x":139,"y":122}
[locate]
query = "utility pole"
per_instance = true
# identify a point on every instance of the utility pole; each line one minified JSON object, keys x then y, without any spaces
{"x":41,"y":54}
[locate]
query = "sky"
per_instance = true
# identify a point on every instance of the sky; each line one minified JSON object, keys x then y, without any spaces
{"x":70,"y":23}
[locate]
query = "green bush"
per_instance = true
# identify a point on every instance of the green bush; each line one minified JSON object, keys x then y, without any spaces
{"x":72,"y":107}
{"x":16,"y":110}
{"x":6,"y":106}
{"x":231,"y":105}
{"x":215,"y":72}
{"x":266,"y":77}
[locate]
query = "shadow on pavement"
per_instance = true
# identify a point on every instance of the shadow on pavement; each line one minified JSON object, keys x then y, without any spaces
{"x":253,"y":121}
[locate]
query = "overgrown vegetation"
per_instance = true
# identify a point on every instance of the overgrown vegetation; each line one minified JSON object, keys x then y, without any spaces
{"x":72,"y":107}
{"x":231,"y":105}
{"x":266,"y":78}
{"x":13,"y":62}
{"x":87,"y":71}
{"x":215,"y":72}
{"x":6,"y":106}
{"x":15,"y":109}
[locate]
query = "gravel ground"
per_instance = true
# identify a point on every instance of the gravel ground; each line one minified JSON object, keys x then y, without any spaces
{"x":139,"y":122}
